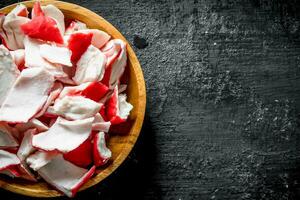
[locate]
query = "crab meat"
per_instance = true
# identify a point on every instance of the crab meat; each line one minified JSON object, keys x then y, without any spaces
{"x":54,"y":54}
{"x":75,"y":107}
{"x":99,"y":39}
{"x":26,"y":148}
{"x":112,"y":105}
{"x":90,"y":66}
{"x":6,"y":138}
{"x":14,"y":132}
{"x":20,"y":10}
{"x":118,"y":109}
{"x":111,"y":50}
{"x":57,"y":15}
{"x":25,"y":172}
{"x":33,"y":59}
{"x":105,"y":98}
{"x":37,"y":10}
{"x":40,"y":126}
{"x":98,"y":118}
{"x":11,"y":32}
{"x":78,"y":43}
{"x":33,"y":123}
{"x":95,"y":91}
{"x":101,"y":153}
{"x":124,"y":107}
{"x":92,"y":90}
{"x":12,"y":171}
{"x":75,"y":26}
{"x":66,"y":80}
{"x":64,"y":136}
{"x":18,"y":171}
{"x":39,"y":159}
{"x":55,"y":91}
{"x":19,"y":58}
{"x":82,"y":155}
{"x":41,"y":25}
{"x":28,"y":95}
{"x":24,"y":151}
{"x":14,"y":167}
{"x":116,"y":67}
{"x":8,"y":73}
{"x":52,"y":121}
{"x":3,"y":35}
{"x":99,"y":124}
{"x":65,"y":176}
{"x":72,"y":90}
{"x":8,"y":160}
{"x":122,"y":88}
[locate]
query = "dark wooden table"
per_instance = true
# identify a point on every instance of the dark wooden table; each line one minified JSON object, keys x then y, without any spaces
{"x":223,"y":92}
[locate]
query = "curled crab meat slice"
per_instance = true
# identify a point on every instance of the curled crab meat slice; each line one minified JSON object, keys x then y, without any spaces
{"x":8,"y":73}
{"x":65,"y":176}
{"x":54,"y":54}
{"x":24,"y":151}
{"x":41,"y":25}
{"x":6,"y":138}
{"x":26,"y":147}
{"x":115,"y":51}
{"x":124,"y":107}
{"x":19,"y":10}
{"x":99,"y":39}
{"x":75,"y":107}
{"x":13,"y":31}
{"x":91,"y":66}
{"x":10,"y":31}
{"x":63,"y":136}
{"x":117,"y":108}
{"x":8,"y":160}
{"x":37,"y":10}
{"x":28,"y":95}
{"x":101,"y":153}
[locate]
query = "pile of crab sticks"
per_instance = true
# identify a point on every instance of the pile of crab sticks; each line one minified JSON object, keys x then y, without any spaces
{"x":60,"y":93}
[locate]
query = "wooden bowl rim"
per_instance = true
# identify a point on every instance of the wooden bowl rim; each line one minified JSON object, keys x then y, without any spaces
{"x":136,"y":127}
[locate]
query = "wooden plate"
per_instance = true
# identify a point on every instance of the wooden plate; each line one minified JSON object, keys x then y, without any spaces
{"x":120,"y":145}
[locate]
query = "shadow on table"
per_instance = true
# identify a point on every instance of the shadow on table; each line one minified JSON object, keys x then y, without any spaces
{"x":132,"y":180}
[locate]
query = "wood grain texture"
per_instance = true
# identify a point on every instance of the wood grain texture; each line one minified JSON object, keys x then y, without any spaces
{"x":119,"y":145}
{"x":223,"y":99}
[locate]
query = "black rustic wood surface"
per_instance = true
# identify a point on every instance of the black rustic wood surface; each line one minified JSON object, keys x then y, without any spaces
{"x":223,"y":99}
